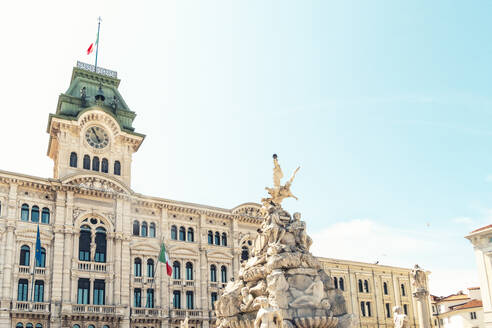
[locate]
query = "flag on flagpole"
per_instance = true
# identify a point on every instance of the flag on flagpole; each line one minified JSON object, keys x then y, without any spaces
{"x":164,"y":258}
{"x":93,"y":45}
{"x":38,"y":255}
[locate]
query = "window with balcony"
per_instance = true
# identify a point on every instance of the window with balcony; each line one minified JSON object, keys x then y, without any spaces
{"x":150,"y":298}
{"x":189,"y":300}
{"x":137,"y":267}
{"x":137,"y":297}
{"x":189,"y":271}
{"x":99,"y":292}
{"x":176,"y":299}
{"x":174,"y":232}
{"x":42,"y":262}
{"x":100,"y":255}
{"x":39,"y":291}
{"x":45,"y":215}
{"x":25,"y":255}
{"x":176,"y":270}
{"x":191,"y":235}
{"x":22,"y":290}
{"x":223,"y":274}
{"x":35,"y":214}
{"x":213,"y":273}
{"x":150,"y":268}
{"x":83,"y":291}
{"x":25,"y":212}
{"x":182,"y":233}
{"x":85,"y":243}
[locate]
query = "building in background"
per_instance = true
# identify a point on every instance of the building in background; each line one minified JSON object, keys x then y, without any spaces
{"x":458,"y":310}
{"x":101,"y":240}
{"x":372,"y":290}
{"x":482,"y":245}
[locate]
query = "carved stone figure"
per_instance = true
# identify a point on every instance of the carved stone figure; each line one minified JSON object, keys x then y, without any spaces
{"x":184,"y":323}
{"x":314,"y":294}
{"x":278,"y":193}
{"x":399,"y":318}
{"x":247,"y":300}
{"x":418,"y":277}
{"x":299,"y":228}
{"x":268,"y":317}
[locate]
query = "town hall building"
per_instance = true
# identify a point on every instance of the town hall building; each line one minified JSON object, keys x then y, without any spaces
{"x":100,"y":240}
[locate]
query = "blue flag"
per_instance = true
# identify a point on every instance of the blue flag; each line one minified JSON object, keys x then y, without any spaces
{"x":38,"y":249}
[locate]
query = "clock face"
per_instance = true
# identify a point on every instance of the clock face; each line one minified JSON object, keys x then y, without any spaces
{"x":96,"y":137}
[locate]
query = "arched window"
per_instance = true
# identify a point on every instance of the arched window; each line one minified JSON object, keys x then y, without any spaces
{"x":361,"y":289}
{"x":35,"y":214}
{"x":174,"y":232}
{"x":73,"y":159}
{"x":182,"y":233}
{"x":104,"y":165}
{"x":25,"y":255}
{"x":189,"y":300}
{"x":136,"y":228}
{"x":39,"y":291}
{"x":29,"y":325}
{"x":22,"y":290}
{"x":217,"y":238}
{"x":224,"y":239}
{"x":244,"y":253}
{"x":191,"y":235}
{"x":177,"y":299}
{"x":105,"y":326}
{"x":144,"y":229}
{"x":189,"y":271}
{"x":341,"y":283}
{"x":335,"y":282}
{"x":363,"y":308}
{"x":137,"y":297}
{"x":42,"y":263}
{"x":223,"y":274}
{"x":95,"y":164}
{"x":117,"y":168}
{"x":150,"y":298}
{"x":20,"y":325}
{"x":366,"y":286}
{"x":403,"y":290}
{"x":152,"y":230}
{"x":210,"y":237}
{"x":85,"y":243}
{"x":176,"y":270}
{"x":137,"y":267}
{"x":87,"y":162}
{"x":76,"y":326}
{"x":150,"y":268}
{"x":25,"y":212}
{"x":100,"y":255}
{"x":38,"y":325}
{"x":91,"y":326}
{"x":45,"y":215}
{"x":385,"y":288}
{"x":213,"y":273}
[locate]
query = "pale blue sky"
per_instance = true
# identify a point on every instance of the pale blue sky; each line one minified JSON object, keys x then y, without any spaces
{"x":385,"y":105}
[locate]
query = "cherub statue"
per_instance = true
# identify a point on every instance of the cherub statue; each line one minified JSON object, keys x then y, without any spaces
{"x":268,"y":317}
{"x":278,"y":193}
{"x":400,"y":319}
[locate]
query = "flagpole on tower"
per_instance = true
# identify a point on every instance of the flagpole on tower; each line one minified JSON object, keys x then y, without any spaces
{"x":97,"y":43}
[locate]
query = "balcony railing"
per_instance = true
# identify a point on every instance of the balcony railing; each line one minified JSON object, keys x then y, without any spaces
{"x":176,"y":313}
{"x":92,"y":266}
{"x":104,"y":309}
{"x":31,"y":307}
{"x":41,"y":271}
{"x":190,"y":283}
{"x":146,"y":312}
{"x":24,"y":269}
{"x":177,"y":282}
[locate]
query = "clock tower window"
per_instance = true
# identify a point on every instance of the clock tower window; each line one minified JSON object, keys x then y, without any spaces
{"x":95,"y":164}
{"x":87,"y":162}
{"x":104,"y":165}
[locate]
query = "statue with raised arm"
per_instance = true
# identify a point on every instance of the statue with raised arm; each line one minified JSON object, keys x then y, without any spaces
{"x":278,"y":193}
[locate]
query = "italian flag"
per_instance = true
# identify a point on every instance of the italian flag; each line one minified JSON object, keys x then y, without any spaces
{"x":164,"y":258}
{"x":92,"y":46}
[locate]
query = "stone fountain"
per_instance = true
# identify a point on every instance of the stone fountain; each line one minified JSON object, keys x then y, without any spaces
{"x":282,"y":284}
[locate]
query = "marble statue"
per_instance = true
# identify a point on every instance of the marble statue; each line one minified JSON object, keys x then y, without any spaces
{"x":268,"y":317}
{"x":282,"y":285}
{"x":184,"y":323}
{"x":399,"y":318}
{"x":418,"y":277}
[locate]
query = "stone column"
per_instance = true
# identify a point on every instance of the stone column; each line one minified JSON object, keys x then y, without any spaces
{"x":421,"y":295}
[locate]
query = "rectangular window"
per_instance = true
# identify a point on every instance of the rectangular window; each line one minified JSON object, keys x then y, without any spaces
{"x":368,"y":304}
{"x":473,"y":315}
{"x":137,"y":297}
{"x":150,"y":298}
{"x":99,"y":292}
{"x":39,"y":291}
{"x":22,"y":290}
{"x":83,"y":291}
{"x":388,"y":310}
{"x":189,"y":300}
{"x":213,"y":299}
{"x":405,"y":309}
{"x":177,"y":299}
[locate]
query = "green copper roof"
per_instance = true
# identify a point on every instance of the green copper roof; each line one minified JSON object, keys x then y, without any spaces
{"x":72,"y":102}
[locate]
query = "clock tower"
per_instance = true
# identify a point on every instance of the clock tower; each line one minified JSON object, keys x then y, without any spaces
{"x":91,"y":132}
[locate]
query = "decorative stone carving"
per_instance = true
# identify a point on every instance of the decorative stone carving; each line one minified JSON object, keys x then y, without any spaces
{"x":418,"y":277}
{"x":282,"y":284}
{"x":184,"y":323}
{"x":399,"y":318}
{"x":419,"y":281}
